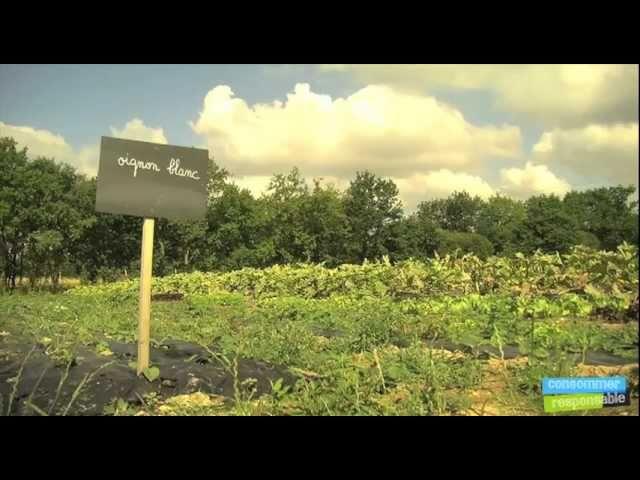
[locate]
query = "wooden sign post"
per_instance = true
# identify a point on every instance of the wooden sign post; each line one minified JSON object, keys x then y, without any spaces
{"x":144,"y":316}
{"x":150,"y":180}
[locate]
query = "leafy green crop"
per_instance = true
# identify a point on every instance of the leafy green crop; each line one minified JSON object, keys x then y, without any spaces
{"x":363,"y":338}
{"x":596,"y":275}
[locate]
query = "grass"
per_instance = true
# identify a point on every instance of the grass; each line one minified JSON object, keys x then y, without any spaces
{"x":359,"y":355}
{"x":16,"y":381}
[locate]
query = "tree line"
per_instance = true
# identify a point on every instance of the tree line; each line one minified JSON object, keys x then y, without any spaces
{"x":48,"y":226}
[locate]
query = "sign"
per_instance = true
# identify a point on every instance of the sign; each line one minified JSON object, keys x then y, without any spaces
{"x":151,"y":180}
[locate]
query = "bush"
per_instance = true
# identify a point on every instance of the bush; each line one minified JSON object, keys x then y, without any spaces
{"x":587,"y":239}
{"x":449,"y":242}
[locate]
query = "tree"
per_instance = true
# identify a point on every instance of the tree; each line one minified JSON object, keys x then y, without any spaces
{"x":372,"y":206}
{"x":464,"y":242}
{"x":285,"y":223}
{"x":587,"y":239}
{"x":604,"y":212}
{"x":109,"y":245}
{"x":325,"y":222}
{"x":458,"y":212}
{"x":461,"y":212}
{"x":412,"y":237}
{"x":15,"y":224}
{"x":217,"y":179}
{"x":59,"y":221}
{"x":433,"y":212}
{"x":40,"y":219}
{"x":500,"y":219}
{"x":634,"y":226}
{"x":547,"y":225}
{"x":234,"y":230}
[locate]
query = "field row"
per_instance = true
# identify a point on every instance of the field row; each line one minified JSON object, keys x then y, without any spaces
{"x":351,"y":355}
{"x":596,"y":274}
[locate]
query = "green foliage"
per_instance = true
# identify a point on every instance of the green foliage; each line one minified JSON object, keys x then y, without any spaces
{"x":325,"y":221}
{"x":587,"y":239}
{"x":474,"y":243}
{"x":40,"y":221}
{"x":233,"y":218}
{"x":49,"y":229}
{"x":371,"y":204}
{"x":354,"y":355}
{"x":528,"y":378}
{"x":615,"y":274}
{"x":151,"y":373}
{"x":604,"y":212}
{"x":500,"y":220}
{"x":548,"y":226}
{"x":413,"y":237}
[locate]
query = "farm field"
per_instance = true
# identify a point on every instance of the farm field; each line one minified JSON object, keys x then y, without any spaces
{"x":451,"y":336}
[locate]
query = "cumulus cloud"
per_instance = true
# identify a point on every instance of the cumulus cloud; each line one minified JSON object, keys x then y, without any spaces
{"x":256,"y":184}
{"x":532,"y":180}
{"x":377,"y":128}
{"x":43,"y":143}
{"x":85,"y":159}
{"x":596,"y":151}
{"x":135,"y":129}
{"x":440,"y":184}
{"x":557,"y":95}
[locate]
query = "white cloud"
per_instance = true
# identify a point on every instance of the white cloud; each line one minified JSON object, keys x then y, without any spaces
{"x":532,"y":180}
{"x":557,"y":95}
{"x":43,"y":143}
{"x":256,"y":184}
{"x":440,"y":184}
{"x":85,"y":159}
{"x":598,"y":151}
{"x":377,"y":128}
{"x":135,"y":129}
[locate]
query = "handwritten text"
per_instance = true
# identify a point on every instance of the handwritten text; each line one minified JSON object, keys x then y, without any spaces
{"x":137,"y":164}
{"x":175,"y":169}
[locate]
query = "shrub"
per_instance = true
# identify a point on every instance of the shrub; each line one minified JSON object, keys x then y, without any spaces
{"x":449,"y":242}
{"x":587,"y":239}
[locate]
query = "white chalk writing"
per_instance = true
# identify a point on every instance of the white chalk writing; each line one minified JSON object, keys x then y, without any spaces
{"x":175,"y":169}
{"x":137,"y":164}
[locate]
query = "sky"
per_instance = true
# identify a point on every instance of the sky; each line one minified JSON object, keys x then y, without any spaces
{"x":518,"y":130}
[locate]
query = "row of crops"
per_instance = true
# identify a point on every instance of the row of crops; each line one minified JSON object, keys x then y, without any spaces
{"x":455,"y":335}
{"x":583,"y":271}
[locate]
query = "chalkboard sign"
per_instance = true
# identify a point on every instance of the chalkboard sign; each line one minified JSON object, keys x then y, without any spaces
{"x":151,"y":180}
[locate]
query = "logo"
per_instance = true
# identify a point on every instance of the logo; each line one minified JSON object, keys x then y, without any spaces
{"x":584,"y":393}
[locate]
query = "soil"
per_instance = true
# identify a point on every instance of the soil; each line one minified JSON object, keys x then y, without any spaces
{"x":184,"y":368}
{"x":486,"y":352}
{"x":327,"y":332}
{"x":489,"y":400}
{"x":610,"y":314}
{"x":167,"y":297}
{"x":633,"y":312}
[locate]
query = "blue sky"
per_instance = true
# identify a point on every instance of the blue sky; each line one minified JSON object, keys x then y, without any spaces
{"x":81,"y":101}
{"x":525,"y":129}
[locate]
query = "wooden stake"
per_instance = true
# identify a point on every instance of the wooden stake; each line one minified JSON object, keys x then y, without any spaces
{"x":146,"y":262}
